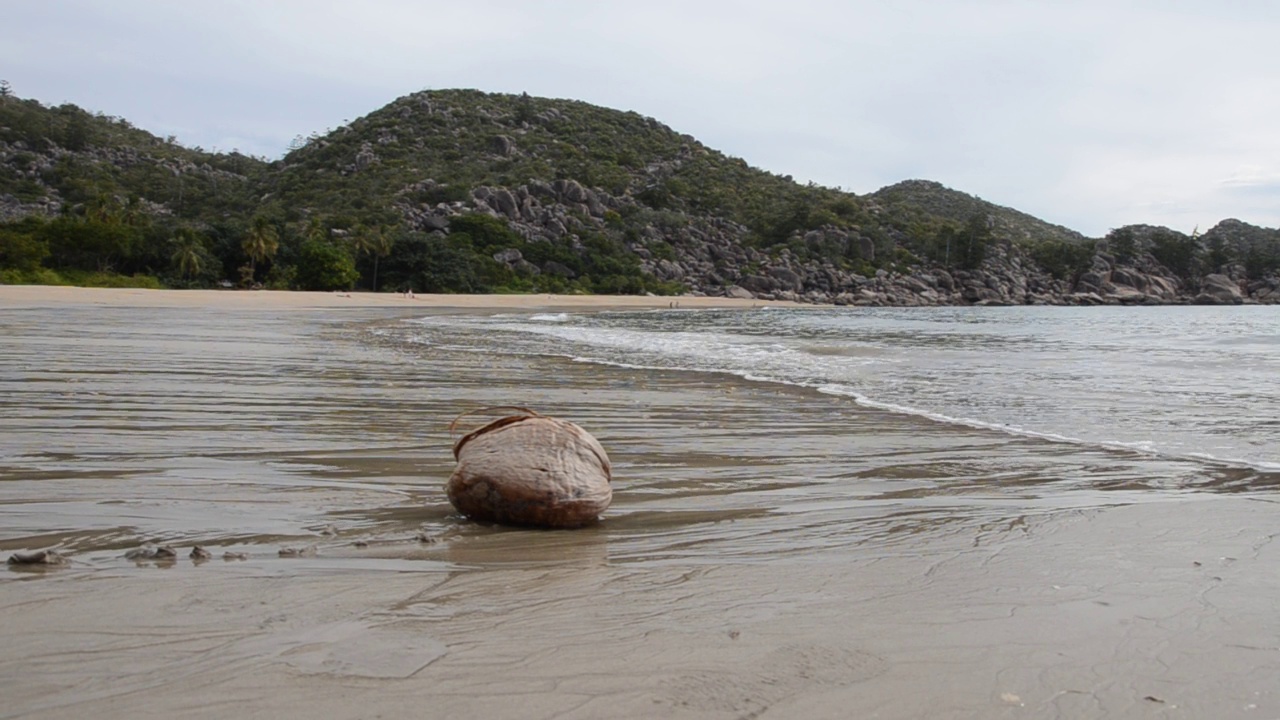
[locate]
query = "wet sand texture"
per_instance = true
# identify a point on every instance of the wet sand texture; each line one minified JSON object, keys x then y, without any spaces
{"x":770,"y":553}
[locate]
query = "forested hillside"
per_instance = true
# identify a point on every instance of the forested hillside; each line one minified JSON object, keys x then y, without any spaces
{"x":465,"y":191}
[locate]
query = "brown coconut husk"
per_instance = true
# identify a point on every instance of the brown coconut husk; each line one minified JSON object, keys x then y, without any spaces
{"x":529,"y":469}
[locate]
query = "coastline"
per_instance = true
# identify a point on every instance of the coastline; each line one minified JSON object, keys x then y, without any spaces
{"x":49,"y":295}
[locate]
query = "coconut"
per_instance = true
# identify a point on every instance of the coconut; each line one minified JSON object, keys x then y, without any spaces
{"x":530,"y":469}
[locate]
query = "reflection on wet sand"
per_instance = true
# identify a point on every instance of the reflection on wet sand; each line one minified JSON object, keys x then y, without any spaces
{"x":771,"y":552}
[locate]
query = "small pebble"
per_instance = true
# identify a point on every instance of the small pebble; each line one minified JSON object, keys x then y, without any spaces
{"x":151,"y":552}
{"x":142,"y":553}
{"x":308,"y":551}
{"x":39,"y":557}
{"x":235,"y":556}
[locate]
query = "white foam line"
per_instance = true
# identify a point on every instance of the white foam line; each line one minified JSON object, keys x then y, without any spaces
{"x":860,"y":399}
{"x":863,"y":400}
{"x":1262,"y":465}
{"x":1141,"y":448}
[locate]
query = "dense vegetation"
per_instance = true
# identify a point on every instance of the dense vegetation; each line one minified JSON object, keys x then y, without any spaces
{"x":390,"y":202}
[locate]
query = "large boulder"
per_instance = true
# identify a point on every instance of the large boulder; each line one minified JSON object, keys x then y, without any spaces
{"x":524,"y":268}
{"x":1162,"y":288}
{"x":1129,"y":278}
{"x":435,"y":222}
{"x":504,"y":202}
{"x":866,"y":248}
{"x":503,"y":145}
{"x":787,"y":277}
{"x":366,"y":157}
{"x":551,"y":267}
{"x":758,"y":284}
{"x":1219,"y":289}
{"x":1091,"y":281}
{"x":1125,"y":295}
{"x":570,"y":191}
{"x":508,"y":256}
{"x":916,"y":284}
{"x":668,"y":270}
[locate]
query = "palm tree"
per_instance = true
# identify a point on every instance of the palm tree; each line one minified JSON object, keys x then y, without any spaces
{"x":103,"y":207}
{"x":316,"y":230}
{"x":376,"y":242}
{"x":188,"y":256}
{"x":133,"y":214}
{"x":260,"y":243}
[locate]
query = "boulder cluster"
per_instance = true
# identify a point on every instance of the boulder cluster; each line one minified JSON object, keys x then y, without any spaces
{"x":712,"y":256}
{"x":33,"y":167}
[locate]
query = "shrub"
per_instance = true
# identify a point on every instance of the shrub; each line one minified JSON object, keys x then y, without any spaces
{"x":1063,"y":260}
{"x":21,"y":250}
{"x":1122,"y":243}
{"x":1175,"y":251}
{"x":487,"y":233}
{"x":325,"y":266}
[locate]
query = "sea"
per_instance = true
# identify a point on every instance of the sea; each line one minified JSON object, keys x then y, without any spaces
{"x":1184,"y":382}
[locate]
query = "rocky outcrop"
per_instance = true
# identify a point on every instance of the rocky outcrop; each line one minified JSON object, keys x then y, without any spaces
{"x":1265,"y":291}
{"x":1143,"y":283}
{"x":715,"y":256}
{"x":537,"y":211}
{"x":34,"y":168}
{"x":1219,"y":289}
{"x":12,"y":209}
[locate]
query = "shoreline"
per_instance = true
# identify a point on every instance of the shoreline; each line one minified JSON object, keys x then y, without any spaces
{"x":20,"y":296}
{"x":771,"y":551}
{"x":39,"y":296}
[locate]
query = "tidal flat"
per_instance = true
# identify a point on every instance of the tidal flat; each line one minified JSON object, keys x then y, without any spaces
{"x":772,"y":551}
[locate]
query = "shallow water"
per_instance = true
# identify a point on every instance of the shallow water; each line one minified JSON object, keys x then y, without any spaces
{"x":175,"y":426}
{"x":770,"y":542}
{"x":1186,"y":381}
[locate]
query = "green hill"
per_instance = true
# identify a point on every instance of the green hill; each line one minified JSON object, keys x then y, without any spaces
{"x":466,"y":191}
{"x":68,"y":159}
{"x":926,"y":202}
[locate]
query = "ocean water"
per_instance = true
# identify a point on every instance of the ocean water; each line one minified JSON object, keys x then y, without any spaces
{"x":1180,"y":382}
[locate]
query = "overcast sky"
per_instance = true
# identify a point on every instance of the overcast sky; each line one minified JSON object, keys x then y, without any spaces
{"x":1091,"y":114}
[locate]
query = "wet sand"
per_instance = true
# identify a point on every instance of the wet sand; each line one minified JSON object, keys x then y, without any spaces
{"x":772,"y":552}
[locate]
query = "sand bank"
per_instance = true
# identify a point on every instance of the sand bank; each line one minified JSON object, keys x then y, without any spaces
{"x":771,"y":553}
{"x":45,"y":295}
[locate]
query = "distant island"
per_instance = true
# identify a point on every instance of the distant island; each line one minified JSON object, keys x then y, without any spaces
{"x":461,"y":191}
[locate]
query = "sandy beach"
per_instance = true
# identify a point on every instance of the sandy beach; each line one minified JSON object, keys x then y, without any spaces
{"x":46,"y":295}
{"x":772,"y":552}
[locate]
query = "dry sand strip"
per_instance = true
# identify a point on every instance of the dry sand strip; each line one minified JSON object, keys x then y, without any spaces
{"x":13,"y":296}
